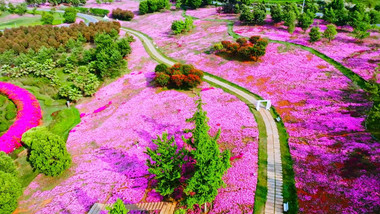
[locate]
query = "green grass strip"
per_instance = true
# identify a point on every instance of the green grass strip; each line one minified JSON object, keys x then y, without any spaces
{"x":64,"y":121}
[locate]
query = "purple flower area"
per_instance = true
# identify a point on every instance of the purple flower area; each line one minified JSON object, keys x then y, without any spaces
{"x":28,"y":115}
{"x":108,"y":146}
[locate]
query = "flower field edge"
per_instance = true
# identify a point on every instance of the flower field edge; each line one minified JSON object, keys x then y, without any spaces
{"x":28,"y":116}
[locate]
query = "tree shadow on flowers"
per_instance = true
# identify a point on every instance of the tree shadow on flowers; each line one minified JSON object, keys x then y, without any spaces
{"x":133,"y":187}
{"x":84,"y":199}
{"x":121,"y":162}
{"x":172,"y":130}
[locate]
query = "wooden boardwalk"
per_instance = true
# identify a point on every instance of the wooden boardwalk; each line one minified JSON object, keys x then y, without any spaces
{"x":164,"y":207}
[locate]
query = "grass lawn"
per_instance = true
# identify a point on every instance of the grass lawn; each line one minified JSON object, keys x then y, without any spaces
{"x":26,"y":20}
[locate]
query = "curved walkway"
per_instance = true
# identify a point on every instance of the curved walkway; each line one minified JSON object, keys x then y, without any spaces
{"x":274,"y":166}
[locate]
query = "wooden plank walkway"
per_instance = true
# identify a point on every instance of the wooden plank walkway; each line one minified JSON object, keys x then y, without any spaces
{"x":164,"y":207}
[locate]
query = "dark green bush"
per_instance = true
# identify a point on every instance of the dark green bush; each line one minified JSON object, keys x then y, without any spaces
{"x":10,"y":115}
{"x":161,"y":68}
{"x":48,"y":153}
{"x":4,"y":125}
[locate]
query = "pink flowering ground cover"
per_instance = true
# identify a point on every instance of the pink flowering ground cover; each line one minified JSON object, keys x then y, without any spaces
{"x":323,"y":113}
{"x":123,"y":4}
{"x":28,"y":116}
{"x":117,"y":125}
{"x":361,"y":57}
{"x":195,"y":42}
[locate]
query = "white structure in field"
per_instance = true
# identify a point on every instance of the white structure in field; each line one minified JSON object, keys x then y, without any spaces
{"x":267,"y":107}
{"x":105,"y":18}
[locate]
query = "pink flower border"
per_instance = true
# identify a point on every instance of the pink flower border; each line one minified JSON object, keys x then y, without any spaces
{"x":28,"y":115}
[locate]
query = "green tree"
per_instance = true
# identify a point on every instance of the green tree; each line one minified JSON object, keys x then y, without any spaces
{"x":165,"y":164}
{"x":6,"y":164}
{"x":210,"y":163}
{"x":47,"y":18}
{"x":258,"y":16}
{"x":374,"y":17}
{"x":70,"y":15}
{"x":246,"y":15}
{"x":330,"y":32}
{"x":11,"y":8}
{"x":10,"y":190}
{"x":194,"y":3}
{"x":305,"y":20}
{"x":143,"y":7}
{"x":21,"y":9}
{"x":315,"y":34}
{"x":290,"y":19}
{"x":178,"y":26}
{"x":276,"y":13}
{"x":48,"y":153}
{"x":329,"y":15}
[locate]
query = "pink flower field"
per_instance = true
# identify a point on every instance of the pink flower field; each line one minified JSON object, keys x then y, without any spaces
{"x":322,"y":110}
{"x":28,"y":116}
{"x":120,"y":121}
{"x":362,"y":58}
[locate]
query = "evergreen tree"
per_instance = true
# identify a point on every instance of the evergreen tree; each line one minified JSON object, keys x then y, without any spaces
{"x":305,"y":20}
{"x":276,"y":13}
{"x":210,"y":164}
{"x":315,"y":34}
{"x":166,"y":164}
{"x":290,"y":19}
{"x":330,"y":32}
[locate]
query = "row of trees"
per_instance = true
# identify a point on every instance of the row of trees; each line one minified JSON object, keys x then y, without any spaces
{"x":126,"y":15}
{"x":252,"y":49}
{"x":19,"y":9}
{"x":86,"y":67}
{"x":329,"y":33}
{"x":10,"y":188}
{"x":196,"y":171}
{"x":22,"y":39}
{"x":178,"y":76}
{"x":55,"y":2}
{"x":151,"y":6}
{"x":179,"y":26}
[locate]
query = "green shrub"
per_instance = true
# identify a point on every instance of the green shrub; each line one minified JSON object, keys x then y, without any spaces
{"x":6,"y":164}
{"x":315,"y":34}
{"x":330,"y":32}
{"x":179,"y":26}
{"x":48,"y":153}
{"x":118,"y":208}
{"x":10,"y":190}
{"x":99,"y":12}
{"x":161,"y":68}
{"x":11,"y":107}
{"x":47,"y":18}
{"x":70,"y":15}
{"x":4,"y":125}
{"x":143,"y":7}
{"x":10,"y":115}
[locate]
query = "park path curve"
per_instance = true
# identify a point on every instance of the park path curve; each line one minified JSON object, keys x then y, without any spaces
{"x":274,"y":200}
